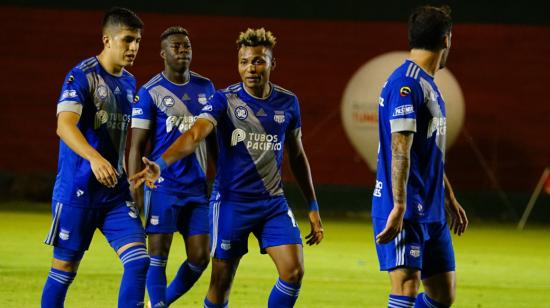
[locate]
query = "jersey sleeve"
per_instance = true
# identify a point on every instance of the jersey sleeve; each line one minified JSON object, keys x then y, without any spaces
{"x":295,"y":124}
{"x":404,"y":98}
{"x":214,"y":109}
{"x":73,"y":92}
{"x":142,"y":110}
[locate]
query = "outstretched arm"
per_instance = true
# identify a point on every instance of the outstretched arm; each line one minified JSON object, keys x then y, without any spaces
{"x":459,"y":220}
{"x":182,"y":147}
{"x":401,"y":143}
{"x":68,"y":131}
{"x":302,"y":173}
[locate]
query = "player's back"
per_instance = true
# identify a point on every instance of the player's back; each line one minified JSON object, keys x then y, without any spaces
{"x":169,"y":109}
{"x":411,"y":102}
{"x":103,"y":102}
{"x":251,"y":135}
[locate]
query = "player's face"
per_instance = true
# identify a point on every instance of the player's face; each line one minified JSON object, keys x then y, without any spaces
{"x":176,"y":52}
{"x":445,"y":54}
{"x":255,"y":65}
{"x":123,"y":45}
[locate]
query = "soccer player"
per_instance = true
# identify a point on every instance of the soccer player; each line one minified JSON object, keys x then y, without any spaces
{"x":91,"y":189}
{"x":413,"y":240}
{"x":166,"y":107}
{"x":254,"y":119}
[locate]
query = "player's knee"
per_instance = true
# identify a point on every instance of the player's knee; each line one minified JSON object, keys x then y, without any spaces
{"x":446,"y":297}
{"x":135,"y":259}
{"x":293,"y":275}
{"x":200,"y":258}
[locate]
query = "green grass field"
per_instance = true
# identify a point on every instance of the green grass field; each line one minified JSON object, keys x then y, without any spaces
{"x":496,"y":267}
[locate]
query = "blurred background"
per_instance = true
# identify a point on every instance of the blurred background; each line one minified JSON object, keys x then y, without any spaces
{"x":499,"y":57}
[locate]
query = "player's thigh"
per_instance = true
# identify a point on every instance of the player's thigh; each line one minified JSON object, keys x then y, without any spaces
{"x":194,"y":227}
{"x":230,"y":224}
{"x":161,"y":212}
{"x":405,"y":281}
{"x":289,"y":260}
{"x":122,"y":227}
{"x":71,"y":231}
{"x":223,"y":273}
{"x":405,"y":251}
{"x":438,"y":255}
{"x":279,"y":227}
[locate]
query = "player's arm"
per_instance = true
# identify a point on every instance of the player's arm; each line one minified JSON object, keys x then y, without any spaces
{"x":401,"y":143}
{"x":182,"y":147}
{"x":138,"y":149}
{"x":459,"y":220}
{"x":302,"y":173}
{"x":68,"y":131}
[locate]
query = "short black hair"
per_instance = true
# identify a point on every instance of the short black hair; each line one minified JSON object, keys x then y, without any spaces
{"x":173,"y":31}
{"x":119,"y":16}
{"x":428,"y":26}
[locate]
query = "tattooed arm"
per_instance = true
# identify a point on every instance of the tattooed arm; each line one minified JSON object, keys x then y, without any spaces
{"x":401,"y":143}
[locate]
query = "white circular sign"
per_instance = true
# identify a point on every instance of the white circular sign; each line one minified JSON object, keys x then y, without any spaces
{"x":359,"y":108}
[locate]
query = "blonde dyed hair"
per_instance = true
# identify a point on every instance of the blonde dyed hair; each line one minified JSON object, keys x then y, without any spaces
{"x":256,"y":37}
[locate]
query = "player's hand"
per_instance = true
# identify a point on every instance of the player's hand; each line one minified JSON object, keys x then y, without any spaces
{"x":104,"y":171}
{"x":149,"y":175}
{"x":457,"y":216}
{"x":393,"y":225}
{"x":317,"y":232}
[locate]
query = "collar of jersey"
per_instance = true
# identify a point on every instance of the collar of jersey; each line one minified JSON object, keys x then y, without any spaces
{"x":104,"y":70}
{"x":259,"y":98}
{"x":176,"y":84}
{"x":421,"y":69}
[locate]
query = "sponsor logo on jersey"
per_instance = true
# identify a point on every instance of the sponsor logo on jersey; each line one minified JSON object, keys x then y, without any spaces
{"x":137,"y":111}
{"x":261,"y":113}
{"x":64,"y":234}
{"x":226,"y":245}
{"x":154,"y":220}
{"x":403,"y":110}
{"x":378,"y":189}
{"x":241,"y":112}
{"x":68,"y":94}
{"x":183,"y":123}
{"x":101,"y":92}
{"x":117,"y":120}
{"x":437,"y":125}
{"x":415,"y":251}
{"x":202,"y":99}
{"x":256,"y":141}
{"x":404,"y":91}
{"x":168,"y":101}
{"x":279,"y":117}
{"x":207,"y":108}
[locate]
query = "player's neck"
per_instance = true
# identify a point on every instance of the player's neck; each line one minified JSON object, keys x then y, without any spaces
{"x":427,"y":60}
{"x":109,"y":65}
{"x":177,"y":77}
{"x":260,"y":92}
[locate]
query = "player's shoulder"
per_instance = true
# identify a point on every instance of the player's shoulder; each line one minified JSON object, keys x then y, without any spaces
{"x":198,"y":78}
{"x":232,"y":89}
{"x":409,"y":73}
{"x":155,"y":80}
{"x":86,"y":65}
{"x":284,"y":92}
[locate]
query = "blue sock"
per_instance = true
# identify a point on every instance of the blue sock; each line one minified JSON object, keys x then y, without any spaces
{"x":400,"y":301}
{"x":156,"y":282}
{"x":55,"y":289}
{"x":186,"y":277}
{"x":208,"y":304}
{"x":423,"y":301}
{"x":283,"y":294}
{"x":132,"y":287}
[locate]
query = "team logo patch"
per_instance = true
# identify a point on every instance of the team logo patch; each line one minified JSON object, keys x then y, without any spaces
{"x":129,"y":96}
{"x":136,"y":99}
{"x":101,"y":92}
{"x":70,"y":79}
{"x":64,"y":234}
{"x":404,"y":91}
{"x":226,"y":245}
{"x":202,"y":99}
{"x":237,"y":136}
{"x":154,"y":220}
{"x":279,"y":117}
{"x":168,"y":101}
{"x":241,"y":112}
{"x":415,"y":251}
{"x":207,"y":108}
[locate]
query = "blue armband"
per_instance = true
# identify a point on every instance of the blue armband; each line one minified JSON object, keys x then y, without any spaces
{"x":162,"y":163}
{"x":313,"y":205}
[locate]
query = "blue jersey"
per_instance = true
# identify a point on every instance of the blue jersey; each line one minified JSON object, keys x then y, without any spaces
{"x":103,"y":102}
{"x":251,"y":133}
{"x":170,"y":109}
{"x":410,"y":101}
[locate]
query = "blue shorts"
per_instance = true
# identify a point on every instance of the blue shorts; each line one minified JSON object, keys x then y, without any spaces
{"x":73,"y":227}
{"x":270,"y":220}
{"x":168,"y":213}
{"x":424,"y":246}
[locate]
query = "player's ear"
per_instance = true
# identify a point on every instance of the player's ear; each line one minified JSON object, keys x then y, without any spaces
{"x":163,"y":54}
{"x":106,"y":41}
{"x":273,"y":64}
{"x":447,"y":41}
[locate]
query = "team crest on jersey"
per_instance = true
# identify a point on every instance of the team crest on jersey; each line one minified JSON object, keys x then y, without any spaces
{"x":279,"y":117}
{"x":154,"y":220}
{"x":168,"y":101}
{"x":64,"y":234}
{"x":226,"y":245}
{"x":202,"y":99}
{"x":101,"y":92}
{"x":129,"y":96}
{"x":415,"y":251}
{"x":404,"y":91}
{"x":241,"y":112}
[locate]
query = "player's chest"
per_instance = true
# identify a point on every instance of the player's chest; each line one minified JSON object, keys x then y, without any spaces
{"x":112,"y":95}
{"x":179,"y":102}
{"x":259,"y":117}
